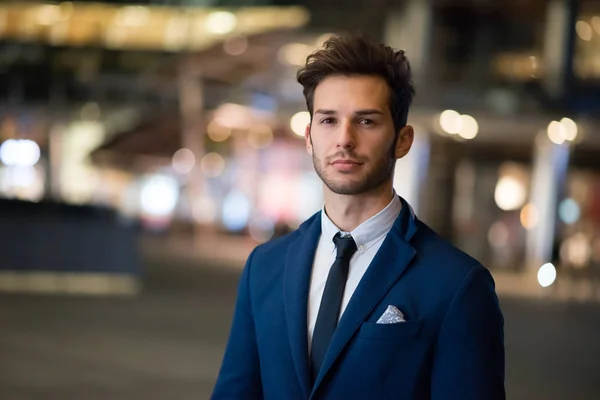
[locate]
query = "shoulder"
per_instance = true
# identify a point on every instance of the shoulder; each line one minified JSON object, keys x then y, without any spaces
{"x":429,"y":243}
{"x":275,"y":246}
{"x":446,"y":278}
{"x":446,"y":267}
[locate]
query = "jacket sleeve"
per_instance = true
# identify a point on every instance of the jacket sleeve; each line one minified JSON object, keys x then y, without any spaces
{"x":469,"y":355}
{"x":239,"y":377}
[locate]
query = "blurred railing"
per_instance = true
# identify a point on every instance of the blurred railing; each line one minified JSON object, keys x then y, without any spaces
{"x":65,"y":245}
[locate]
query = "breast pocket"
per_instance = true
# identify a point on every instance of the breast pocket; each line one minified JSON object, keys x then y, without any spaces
{"x":374,"y":331}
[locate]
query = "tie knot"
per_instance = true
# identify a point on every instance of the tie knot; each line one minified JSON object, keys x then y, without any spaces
{"x":345,"y":246}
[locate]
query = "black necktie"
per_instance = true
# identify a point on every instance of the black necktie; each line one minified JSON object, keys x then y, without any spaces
{"x":331,"y":301}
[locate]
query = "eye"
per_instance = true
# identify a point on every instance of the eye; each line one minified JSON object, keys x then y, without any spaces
{"x":328,"y":120}
{"x":366,"y":122}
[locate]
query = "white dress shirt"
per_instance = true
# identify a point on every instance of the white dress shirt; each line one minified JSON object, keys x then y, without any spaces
{"x":368,"y":237}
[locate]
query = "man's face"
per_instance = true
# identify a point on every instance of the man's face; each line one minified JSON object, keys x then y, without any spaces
{"x":351,"y":137}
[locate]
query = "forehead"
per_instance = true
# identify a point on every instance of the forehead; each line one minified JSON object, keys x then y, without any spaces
{"x":348,"y":93}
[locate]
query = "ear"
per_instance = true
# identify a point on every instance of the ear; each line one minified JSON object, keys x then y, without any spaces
{"x":308,"y":140}
{"x":405,"y":141}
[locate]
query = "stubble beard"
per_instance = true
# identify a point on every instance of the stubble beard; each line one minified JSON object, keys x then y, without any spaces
{"x":381,"y":173}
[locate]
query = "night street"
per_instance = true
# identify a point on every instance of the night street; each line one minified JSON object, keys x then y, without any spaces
{"x":168,"y":342}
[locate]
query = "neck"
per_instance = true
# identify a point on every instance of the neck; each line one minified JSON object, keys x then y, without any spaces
{"x":349,"y":211}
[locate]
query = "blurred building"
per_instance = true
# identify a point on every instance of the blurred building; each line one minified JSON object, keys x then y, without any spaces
{"x":186,"y":114}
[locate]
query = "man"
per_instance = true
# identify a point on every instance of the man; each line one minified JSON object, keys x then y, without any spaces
{"x":363,"y":301}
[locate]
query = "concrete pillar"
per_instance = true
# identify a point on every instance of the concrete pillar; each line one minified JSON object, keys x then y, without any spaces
{"x":55,"y":141}
{"x":559,"y":36}
{"x":409,"y":28}
{"x":550,"y":164}
{"x":411,"y":171}
{"x":193,"y":126}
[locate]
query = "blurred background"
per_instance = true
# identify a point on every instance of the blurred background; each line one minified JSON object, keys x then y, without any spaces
{"x":146,"y":147}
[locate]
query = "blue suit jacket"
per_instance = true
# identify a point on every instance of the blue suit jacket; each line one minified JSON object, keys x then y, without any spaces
{"x":451,"y":347}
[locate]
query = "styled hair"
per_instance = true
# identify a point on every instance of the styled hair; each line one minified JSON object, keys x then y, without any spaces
{"x":352,"y":55}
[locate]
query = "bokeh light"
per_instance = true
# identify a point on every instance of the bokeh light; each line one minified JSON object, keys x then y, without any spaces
{"x":569,"y":211}
{"x":159,"y":195}
{"x":468,"y":127}
{"x":584,"y":30}
{"x":299,"y":121}
{"x":217,"y":132}
{"x":261,"y":229}
{"x":557,"y":132}
{"x":510,"y":193}
{"x":212,"y":165}
{"x":451,"y":121}
{"x":576,"y":251}
{"x":236,"y":211}
{"x":530,"y":216}
{"x":260,"y":136}
{"x":236,"y":45}
{"x":19,"y":152}
{"x":546,"y":275}
{"x":221,"y":22}
{"x":183,"y":161}
{"x":204,"y":210}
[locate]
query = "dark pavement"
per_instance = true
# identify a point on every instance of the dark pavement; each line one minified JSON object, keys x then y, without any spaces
{"x":168,"y":342}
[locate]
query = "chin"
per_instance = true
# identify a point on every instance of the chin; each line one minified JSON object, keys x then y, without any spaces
{"x":347,"y":188}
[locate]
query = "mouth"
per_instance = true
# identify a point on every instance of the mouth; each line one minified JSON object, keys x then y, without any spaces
{"x":346,"y":166}
{"x":346,"y":162}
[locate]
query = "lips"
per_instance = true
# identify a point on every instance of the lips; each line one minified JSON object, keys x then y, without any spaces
{"x":346,"y":162}
{"x":346,"y":166}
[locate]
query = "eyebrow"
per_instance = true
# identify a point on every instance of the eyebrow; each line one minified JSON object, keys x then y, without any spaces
{"x":325,"y":112}
{"x":368,"y":112}
{"x":358,"y":112}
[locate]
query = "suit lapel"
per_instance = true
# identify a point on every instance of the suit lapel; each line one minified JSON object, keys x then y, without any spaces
{"x":386,"y":268}
{"x":299,"y":262}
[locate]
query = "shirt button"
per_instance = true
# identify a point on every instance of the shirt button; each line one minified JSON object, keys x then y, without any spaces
{"x":362,"y":248}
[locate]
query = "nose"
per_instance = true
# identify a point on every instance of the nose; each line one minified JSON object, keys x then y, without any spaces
{"x":346,"y":138}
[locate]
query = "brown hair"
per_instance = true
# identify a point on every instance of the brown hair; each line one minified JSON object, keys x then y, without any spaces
{"x":357,"y":55}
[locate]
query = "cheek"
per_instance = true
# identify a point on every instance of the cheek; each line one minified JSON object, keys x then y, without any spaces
{"x":380,"y":147}
{"x":319,"y":146}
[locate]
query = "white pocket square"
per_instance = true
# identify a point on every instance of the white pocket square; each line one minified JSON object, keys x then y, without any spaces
{"x":391,"y":316}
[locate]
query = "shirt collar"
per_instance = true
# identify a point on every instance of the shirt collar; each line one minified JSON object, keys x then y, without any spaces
{"x":369,"y":232}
